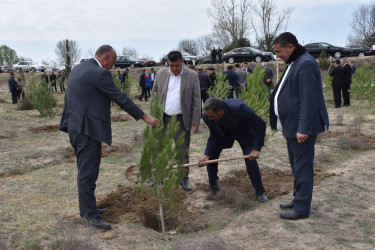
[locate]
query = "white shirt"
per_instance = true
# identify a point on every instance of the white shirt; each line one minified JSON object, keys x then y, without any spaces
{"x":152,"y":76}
{"x":173,"y":99}
{"x":277,"y":96}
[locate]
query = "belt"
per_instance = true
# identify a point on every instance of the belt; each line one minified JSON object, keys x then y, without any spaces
{"x":169,"y":116}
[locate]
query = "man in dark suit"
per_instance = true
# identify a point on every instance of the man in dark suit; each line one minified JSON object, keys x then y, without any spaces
{"x":297,"y":109}
{"x":347,"y":75}
{"x":87,"y":120}
{"x":232,"y":78}
{"x":52,"y":80}
{"x":204,"y":82}
{"x":337,"y":82}
{"x":230,"y":120}
{"x":268,"y":75}
{"x":211,"y":73}
{"x":142,"y":84}
{"x":13,"y":88}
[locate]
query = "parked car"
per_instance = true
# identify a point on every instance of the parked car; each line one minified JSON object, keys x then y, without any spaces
{"x":29,"y":66}
{"x":148,"y":63}
{"x":315,"y":49}
{"x":247,"y":54}
{"x":6,"y":69}
{"x":128,"y":61}
{"x":361,"y":50}
{"x":188,"y":59}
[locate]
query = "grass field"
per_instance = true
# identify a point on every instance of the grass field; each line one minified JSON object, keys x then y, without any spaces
{"x":39,"y":205}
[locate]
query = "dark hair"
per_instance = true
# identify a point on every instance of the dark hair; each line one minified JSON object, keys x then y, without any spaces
{"x":284,"y":39}
{"x":337,"y":61}
{"x":215,"y":104}
{"x":174,"y":56}
{"x":230,"y":67}
{"x":104,"y":49}
{"x":237,"y":65}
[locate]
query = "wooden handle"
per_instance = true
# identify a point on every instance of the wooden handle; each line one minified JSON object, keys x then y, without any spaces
{"x":216,"y":160}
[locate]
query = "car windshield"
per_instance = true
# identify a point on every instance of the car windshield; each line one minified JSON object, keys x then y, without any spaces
{"x":185,"y":53}
{"x":254,"y":50}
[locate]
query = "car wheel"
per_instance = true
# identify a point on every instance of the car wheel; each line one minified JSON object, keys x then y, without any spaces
{"x":17,"y":70}
{"x":231,"y":60}
{"x":132,"y":66}
{"x":166,"y":63}
{"x":258,"y":59}
{"x":337,"y":54}
{"x":361,"y":54}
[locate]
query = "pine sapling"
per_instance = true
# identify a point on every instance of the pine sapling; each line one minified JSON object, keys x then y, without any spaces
{"x":221,"y":88}
{"x":159,"y":154}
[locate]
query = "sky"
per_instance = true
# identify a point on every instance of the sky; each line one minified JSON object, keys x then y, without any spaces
{"x":153,"y":28}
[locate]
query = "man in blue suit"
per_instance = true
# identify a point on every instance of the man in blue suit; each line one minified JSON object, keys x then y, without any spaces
{"x":298,"y":110}
{"x":230,"y":120}
{"x":87,"y":120}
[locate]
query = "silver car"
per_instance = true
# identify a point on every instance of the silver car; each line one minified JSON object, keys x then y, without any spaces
{"x":29,"y":66}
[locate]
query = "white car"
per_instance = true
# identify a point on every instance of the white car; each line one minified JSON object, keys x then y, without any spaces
{"x":29,"y":66}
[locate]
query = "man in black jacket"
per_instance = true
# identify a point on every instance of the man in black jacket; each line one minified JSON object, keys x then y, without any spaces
{"x":87,"y":120}
{"x":211,"y":73}
{"x":142,"y":84}
{"x":337,"y":82}
{"x":13,"y":88}
{"x":52,"y":80}
{"x":213,"y":55}
{"x":232,"y":78}
{"x":347,"y":75}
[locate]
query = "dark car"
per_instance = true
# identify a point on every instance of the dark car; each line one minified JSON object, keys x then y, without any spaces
{"x":148,"y":63}
{"x":188,"y":59}
{"x":247,"y":54}
{"x":361,"y":50}
{"x":315,"y":49}
{"x":128,"y":61}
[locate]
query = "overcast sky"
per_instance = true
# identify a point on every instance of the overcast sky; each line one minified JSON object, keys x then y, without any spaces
{"x":33,"y":27}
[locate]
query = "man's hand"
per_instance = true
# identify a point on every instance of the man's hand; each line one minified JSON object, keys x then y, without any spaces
{"x":254,"y":155}
{"x":202,"y":160}
{"x":301,"y":137}
{"x":195,"y":127}
{"x":150,"y":120}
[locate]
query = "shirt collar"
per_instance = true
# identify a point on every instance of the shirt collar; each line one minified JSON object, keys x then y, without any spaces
{"x":178,"y":74}
{"x":98,"y":62}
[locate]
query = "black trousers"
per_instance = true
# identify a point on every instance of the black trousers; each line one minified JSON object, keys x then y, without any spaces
{"x":15,"y":96}
{"x":301,"y":158}
{"x":251,"y":167}
{"x":144,"y":93}
{"x":337,"y":95}
{"x":345,"y":94}
{"x":185,"y":146}
{"x":53,"y":85}
{"x":88,"y":153}
{"x":204,"y":97}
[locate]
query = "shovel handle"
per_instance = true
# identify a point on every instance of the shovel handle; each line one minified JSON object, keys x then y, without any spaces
{"x":216,"y":160}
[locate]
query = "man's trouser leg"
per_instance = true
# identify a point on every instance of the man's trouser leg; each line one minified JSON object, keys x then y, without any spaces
{"x":88,"y":153}
{"x":301,"y":158}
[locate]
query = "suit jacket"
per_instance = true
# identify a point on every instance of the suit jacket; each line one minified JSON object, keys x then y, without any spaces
{"x":189,"y":93}
{"x":142,"y":80}
{"x":268,"y":74}
{"x":12,"y":84}
{"x":87,"y":107}
{"x":52,"y":78}
{"x":241,"y":77}
{"x":240,"y":123}
{"x":347,"y":74}
{"x":231,"y":77}
{"x":301,"y":103}
{"x":204,"y":81}
{"x":338,"y":77}
{"x":124,"y":77}
{"x":213,"y":78}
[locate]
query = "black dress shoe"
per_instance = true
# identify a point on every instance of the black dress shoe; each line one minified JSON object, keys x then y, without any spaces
{"x":210,"y":195}
{"x":185,"y":185}
{"x":98,"y":223}
{"x":102,"y":210}
{"x":262,"y":198}
{"x":292,"y":215}
{"x":288,"y":205}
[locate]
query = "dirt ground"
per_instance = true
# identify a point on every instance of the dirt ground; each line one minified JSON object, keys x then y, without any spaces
{"x":39,"y":206}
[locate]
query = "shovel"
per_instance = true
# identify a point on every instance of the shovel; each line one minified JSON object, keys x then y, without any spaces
{"x":132,"y":171}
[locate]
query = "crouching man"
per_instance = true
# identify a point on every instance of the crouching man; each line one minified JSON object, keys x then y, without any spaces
{"x":230,"y":120}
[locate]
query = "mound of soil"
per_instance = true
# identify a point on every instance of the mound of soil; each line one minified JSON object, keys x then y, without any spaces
{"x":43,"y":129}
{"x":123,"y":200}
{"x":121,"y":118}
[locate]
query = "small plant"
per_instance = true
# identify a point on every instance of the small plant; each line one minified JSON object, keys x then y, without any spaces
{"x":159,"y":154}
{"x":41,"y":98}
{"x":362,"y":89}
{"x":220,"y":89}
{"x":323,"y":61}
